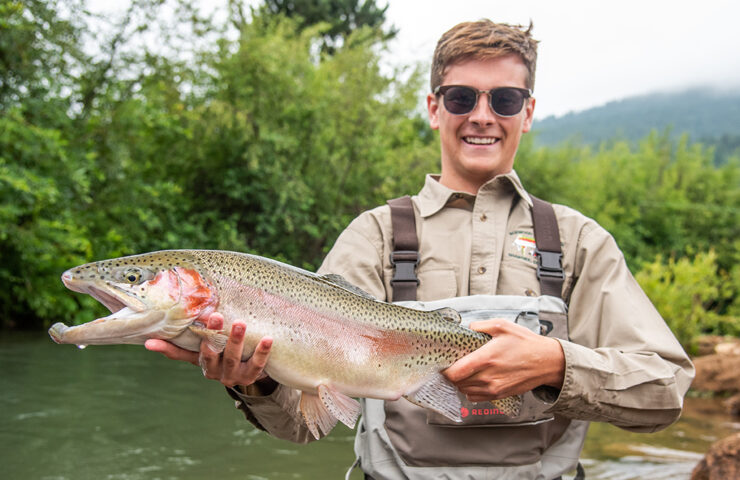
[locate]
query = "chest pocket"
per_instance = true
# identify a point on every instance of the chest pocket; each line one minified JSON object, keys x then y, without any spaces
{"x":518,"y":273}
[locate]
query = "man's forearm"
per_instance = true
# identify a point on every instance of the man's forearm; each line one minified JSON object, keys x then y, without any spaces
{"x":276,"y":411}
{"x":637,"y":391}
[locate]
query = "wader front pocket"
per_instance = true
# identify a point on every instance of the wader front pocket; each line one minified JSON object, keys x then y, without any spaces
{"x":487,"y":414}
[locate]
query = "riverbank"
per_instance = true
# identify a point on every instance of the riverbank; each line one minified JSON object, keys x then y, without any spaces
{"x":718,"y":370}
{"x":718,"y":373}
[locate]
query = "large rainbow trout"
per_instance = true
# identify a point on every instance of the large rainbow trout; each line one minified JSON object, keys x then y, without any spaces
{"x":332,"y":341}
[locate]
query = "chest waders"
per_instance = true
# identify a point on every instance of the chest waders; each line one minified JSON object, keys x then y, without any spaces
{"x":401,"y":440}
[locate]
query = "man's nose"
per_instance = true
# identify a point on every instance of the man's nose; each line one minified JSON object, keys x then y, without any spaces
{"x":482,"y":114}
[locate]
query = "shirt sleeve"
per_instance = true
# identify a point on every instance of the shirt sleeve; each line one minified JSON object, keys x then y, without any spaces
{"x":356,"y":256}
{"x":623,"y":365}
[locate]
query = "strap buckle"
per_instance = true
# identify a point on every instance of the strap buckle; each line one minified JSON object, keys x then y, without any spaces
{"x":549,"y":264}
{"x":404,"y":266}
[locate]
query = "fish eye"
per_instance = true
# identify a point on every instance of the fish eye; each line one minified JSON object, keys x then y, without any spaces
{"x":135,"y":275}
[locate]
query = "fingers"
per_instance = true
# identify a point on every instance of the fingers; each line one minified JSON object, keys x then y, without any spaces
{"x":261,"y":354}
{"x":236,"y":372}
{"x":232,"y":358}
{"x":171,"y":351}
{"x":468,"y":365}
{"x":210,"y":360}
{"x":492,"y":326}
{"x":228,"y":368}
{"x":215,"y":322}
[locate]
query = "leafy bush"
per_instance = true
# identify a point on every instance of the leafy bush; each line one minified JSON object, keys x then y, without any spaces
{"x":689,"y":293}
{"x":665,"y":197}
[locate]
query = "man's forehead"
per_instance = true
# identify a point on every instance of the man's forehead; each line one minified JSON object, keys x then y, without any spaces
{"x":504,"y":70}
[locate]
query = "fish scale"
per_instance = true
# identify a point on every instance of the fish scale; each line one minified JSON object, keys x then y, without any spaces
{"x":331,"y":340}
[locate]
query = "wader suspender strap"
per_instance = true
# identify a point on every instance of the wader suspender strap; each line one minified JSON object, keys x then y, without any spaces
{"x":405,"y":254}
{"x":549,"y":254}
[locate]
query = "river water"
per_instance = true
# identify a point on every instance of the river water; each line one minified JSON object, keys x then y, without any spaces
{"x":123,"y":413}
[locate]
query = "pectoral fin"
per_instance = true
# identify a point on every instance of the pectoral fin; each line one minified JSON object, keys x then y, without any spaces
{"x":439,"y":395}
{"x":216,"y":338}
{"x":339,"y":405}
{"x":315,"y":415}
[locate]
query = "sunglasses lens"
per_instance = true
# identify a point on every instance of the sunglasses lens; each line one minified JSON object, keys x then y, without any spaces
{"x":507,"y":101}
{"x":460,"y":100}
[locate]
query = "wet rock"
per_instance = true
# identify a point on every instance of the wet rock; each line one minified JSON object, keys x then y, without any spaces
{"x":706,"y":343}
{"x":733,"y":404}
{"x":721,"y":462}
{"x":728,"y":348}
{"x":717,"y":373}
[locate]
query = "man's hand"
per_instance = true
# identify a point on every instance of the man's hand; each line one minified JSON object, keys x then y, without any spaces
{"x":514,"y":361}
{"x":228,"y":368}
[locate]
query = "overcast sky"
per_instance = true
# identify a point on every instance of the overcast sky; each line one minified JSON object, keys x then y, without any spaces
{"x":592,"y":52}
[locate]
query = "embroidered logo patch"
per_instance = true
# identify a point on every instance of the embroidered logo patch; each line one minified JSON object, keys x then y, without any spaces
{"x":523,"y":246}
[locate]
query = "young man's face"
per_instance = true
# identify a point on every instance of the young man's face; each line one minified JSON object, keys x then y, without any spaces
{"x":480,"y":145}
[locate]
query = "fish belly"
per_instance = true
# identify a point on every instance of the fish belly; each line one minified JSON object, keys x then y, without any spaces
{"x":359,"y":360}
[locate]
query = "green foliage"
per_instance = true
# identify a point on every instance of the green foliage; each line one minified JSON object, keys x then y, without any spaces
{"x":662,"y":197}
{"x":261,"y":146}
{"x":688,"y":293}
{"x":343,"y":17}
{"x":725,"y":146}
{"x":290,"y":148}
{"x":37,"y":49}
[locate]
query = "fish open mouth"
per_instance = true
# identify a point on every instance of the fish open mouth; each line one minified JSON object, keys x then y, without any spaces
{"x":111,"y":303}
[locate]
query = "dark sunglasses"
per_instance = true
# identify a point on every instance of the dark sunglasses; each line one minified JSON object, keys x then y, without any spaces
{"x":504,"y":101}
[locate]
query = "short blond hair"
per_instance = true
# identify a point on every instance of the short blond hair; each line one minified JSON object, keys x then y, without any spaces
{"x":484,"y":40}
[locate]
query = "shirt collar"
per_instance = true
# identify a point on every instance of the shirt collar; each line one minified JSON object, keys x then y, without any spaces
{"x":434,"y":196}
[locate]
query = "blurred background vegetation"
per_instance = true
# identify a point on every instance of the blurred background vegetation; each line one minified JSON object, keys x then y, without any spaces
{"x":268,"y":132}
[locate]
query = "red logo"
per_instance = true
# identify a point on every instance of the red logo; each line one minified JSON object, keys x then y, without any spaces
{"x":464,"y":412}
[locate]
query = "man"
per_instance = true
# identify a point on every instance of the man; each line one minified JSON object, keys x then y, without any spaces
{"x":618,"y":363}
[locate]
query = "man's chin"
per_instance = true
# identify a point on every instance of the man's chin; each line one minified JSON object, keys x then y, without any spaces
{"x":486,"y":168}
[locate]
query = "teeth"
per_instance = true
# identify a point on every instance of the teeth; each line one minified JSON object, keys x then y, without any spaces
{"x":480,"y":140}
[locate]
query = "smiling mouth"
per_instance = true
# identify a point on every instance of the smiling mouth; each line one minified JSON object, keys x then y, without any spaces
{"x":480,"y":140}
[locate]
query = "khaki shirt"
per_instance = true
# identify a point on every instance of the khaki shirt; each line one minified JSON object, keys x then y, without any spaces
{"x":622,"y":363}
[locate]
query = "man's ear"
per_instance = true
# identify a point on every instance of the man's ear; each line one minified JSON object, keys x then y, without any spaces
{"x":529,"y":112}
{"x":433,"y":107}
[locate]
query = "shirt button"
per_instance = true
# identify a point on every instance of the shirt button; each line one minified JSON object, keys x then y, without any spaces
{"x":483,"y":217}
{"x":481,"y":270}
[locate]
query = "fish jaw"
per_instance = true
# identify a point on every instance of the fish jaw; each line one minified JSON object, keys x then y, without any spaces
{"x":124,"y":326}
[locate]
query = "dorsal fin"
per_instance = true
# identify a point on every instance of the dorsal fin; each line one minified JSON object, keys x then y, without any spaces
{"x":342,"y":282}
{"x":449,"y":314}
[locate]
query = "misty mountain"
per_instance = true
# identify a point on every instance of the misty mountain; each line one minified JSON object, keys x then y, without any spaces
{"x":707,"y":115}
